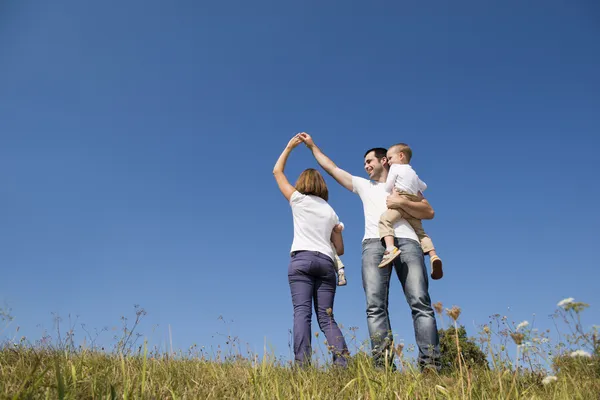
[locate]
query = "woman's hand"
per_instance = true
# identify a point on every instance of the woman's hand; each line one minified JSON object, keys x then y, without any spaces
{"x":295,"y":141}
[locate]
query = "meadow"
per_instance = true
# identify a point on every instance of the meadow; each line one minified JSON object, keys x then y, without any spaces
{"x":505,"y":360}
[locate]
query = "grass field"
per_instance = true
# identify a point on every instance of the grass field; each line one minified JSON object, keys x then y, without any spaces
{"x":517,"y":362}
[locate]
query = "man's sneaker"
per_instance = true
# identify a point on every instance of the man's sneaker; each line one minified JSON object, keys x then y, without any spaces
{"x":436,"y":267}
{"x":389,"y":256}
{"x":342,"y":278}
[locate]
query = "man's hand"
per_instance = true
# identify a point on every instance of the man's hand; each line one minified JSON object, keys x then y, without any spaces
{"x":396,"y":200}
{"x":308,"y":141}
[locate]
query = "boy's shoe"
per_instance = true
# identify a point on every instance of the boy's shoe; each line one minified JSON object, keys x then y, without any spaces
{"x":342,"y":278}
{"x":436,"y":267}
{"x":389,"y":256}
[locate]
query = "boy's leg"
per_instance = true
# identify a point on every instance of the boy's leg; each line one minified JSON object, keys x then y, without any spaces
{"x":427,"y":245}
{"x":386,"y":232}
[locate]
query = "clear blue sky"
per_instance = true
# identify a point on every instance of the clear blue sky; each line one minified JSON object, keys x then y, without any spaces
{"x":138,"y":140}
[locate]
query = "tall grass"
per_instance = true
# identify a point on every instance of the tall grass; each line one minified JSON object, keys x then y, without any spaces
{"x":571,"y":370}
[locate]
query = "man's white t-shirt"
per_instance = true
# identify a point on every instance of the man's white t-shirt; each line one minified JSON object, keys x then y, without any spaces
{"x":314,"y":220}
{"x":404,"y":178}
{"x":373,"y":196}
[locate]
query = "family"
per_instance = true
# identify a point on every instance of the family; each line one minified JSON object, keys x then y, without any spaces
{"x":393,"y":207}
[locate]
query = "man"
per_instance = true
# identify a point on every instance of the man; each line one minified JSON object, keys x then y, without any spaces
{"x":409,"y":266}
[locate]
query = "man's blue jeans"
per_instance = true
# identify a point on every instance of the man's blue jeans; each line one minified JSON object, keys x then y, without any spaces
{"x":410,"y":268}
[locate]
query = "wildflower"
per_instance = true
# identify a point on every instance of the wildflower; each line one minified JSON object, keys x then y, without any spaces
{"x":486,"y":329}
{"x":316,"y":334}
{"x":581,"y":353}
{"x":517,"y":338}
{"x":329,"y":312}
{"x":522,"y":325}
{"x":549,"y":379}
{"x":442,"y":390}
{"x":565,"y":302}
{"x":399,"y":349}
{"x":438,"y":307}
{"x":454,"y":312}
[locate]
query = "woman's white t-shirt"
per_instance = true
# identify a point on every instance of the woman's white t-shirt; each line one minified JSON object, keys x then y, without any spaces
{"x":314,"y":219}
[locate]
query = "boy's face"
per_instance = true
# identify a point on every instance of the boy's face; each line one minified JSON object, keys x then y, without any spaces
{"x":395,"y":157}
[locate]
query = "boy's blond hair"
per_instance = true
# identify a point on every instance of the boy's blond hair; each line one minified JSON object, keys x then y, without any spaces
{"x":404,"y":149}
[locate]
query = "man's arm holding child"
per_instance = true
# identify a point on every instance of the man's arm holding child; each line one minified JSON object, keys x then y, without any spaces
{"x":418,"y":209}
{"x":342,"y":177}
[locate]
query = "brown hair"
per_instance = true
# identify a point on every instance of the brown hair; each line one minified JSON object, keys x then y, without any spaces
{"x":311,"y":181}
{"x":403,"y":148}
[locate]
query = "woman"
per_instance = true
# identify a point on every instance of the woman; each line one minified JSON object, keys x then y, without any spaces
{"x":311,"y":272}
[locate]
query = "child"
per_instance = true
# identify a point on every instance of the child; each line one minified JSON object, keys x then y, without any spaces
{"x":404,"y":179}
{"x":337,"y":263}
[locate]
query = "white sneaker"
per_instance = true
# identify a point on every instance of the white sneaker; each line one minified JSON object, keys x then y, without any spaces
{"x":342,"y":278}
{"x":389,"y":256}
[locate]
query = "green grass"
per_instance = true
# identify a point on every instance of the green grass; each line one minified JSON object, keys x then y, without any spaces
{"x":26,"y":373}
{"x":506,"y":361}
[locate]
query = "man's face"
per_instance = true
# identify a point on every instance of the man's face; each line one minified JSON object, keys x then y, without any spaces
{"x":373,"y":166}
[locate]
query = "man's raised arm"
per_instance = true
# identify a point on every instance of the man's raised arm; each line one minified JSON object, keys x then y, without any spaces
{"x":342,"y":177}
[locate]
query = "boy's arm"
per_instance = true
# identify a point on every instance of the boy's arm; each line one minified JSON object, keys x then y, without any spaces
{"x":391,"y":180}
{"x":418,"y":209}
{"x":342,"y":177}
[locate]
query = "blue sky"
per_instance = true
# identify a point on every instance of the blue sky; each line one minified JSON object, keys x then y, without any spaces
{"x":138,"y":140}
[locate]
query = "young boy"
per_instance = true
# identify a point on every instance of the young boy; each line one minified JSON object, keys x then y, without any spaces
{"x":405,"y":180}
{"x":337,"y":263}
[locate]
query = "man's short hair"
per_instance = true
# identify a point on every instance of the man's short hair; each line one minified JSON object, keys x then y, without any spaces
{"x":403,"y":148}
{"x":380,"y":152}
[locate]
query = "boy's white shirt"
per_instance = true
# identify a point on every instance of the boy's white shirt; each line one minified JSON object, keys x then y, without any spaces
{"x":404,"y":178}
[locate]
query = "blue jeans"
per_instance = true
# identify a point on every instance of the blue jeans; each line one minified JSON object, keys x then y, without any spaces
{"x":312,"y":279}
{"x":410,"y":268}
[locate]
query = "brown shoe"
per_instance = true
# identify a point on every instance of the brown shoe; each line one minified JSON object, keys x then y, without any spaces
{"x":436,"y":268}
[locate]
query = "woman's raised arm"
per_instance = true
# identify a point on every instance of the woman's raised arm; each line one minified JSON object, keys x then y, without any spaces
{"x":284,"y":185}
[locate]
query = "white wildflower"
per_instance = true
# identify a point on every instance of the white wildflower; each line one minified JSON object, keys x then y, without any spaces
{"x":566,"y":301}
{"x":549,"y":379}
{"x":522,"y":325}
{"x":580,"y":353}
{"x":442,"y":390}
{"x":545,"y":340}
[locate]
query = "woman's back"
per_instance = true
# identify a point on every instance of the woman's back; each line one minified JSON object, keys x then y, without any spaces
{"x":314,"y":220}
